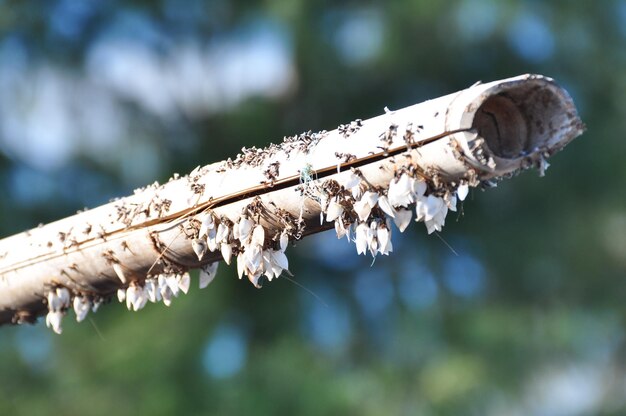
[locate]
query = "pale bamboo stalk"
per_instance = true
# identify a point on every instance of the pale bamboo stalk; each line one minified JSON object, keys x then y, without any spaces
{"x":474,"y":136}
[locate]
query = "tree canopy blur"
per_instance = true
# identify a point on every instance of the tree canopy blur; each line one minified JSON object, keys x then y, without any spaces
{"x":100,"y":97}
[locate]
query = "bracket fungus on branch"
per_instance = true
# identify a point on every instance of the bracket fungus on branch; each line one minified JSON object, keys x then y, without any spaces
{"x":361,"y":179}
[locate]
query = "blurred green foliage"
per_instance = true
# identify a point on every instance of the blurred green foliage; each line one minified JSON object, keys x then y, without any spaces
{"x":528,"y":319}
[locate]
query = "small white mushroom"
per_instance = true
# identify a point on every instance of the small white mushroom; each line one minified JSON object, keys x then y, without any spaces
{"x":335,"y":210}
{"x":258,"y":236}
{"x":401,"y":192}
{"x":462,"y":191}
{"x":152,"y":290}
{"x":53,"y":320}
{"x":244,"y":227}
{"x":207,"y":223}
{"x":360,"y":238}
{"x":383,"y":234}
{"x":54,"y":303}
{"x":223,"y":232}
{"x":121,"y":294}
{"x":172,"y":283}
{"x":199,"y":247}
{"x":383,"y":203}
{"x":207,"y":274}
{"x":184,"y":281}
{"x":284,"y":241}
{"x":227,"y":252}
{"x":63,"y":296}
{"x":132,"y":296}
{"x":403,"y":218}
{"x":81,"y":307}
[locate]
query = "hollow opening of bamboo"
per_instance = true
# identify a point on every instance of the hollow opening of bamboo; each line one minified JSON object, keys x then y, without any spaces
{"x":521,"y":120}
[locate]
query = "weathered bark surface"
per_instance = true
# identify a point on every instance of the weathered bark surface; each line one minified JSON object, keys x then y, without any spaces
{"x":474,"y":136}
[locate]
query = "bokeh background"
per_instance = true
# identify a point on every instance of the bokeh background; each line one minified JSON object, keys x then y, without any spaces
{"x":100,"y":97}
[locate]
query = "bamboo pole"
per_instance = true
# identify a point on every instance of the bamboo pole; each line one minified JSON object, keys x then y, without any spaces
{"x":251,"y":206}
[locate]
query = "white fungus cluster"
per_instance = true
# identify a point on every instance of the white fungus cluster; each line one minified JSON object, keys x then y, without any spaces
{"x":361,"y":213}
{"x":161,"y":288}
{"x":364,"y":215}
{"x":256,"y":255}
{"x":59,"y":300}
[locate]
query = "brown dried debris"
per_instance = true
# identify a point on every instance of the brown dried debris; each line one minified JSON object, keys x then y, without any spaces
{"x":346,"y":130}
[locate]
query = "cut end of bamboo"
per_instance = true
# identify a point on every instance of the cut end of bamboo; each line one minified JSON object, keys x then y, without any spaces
{"x":529,"y":116}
